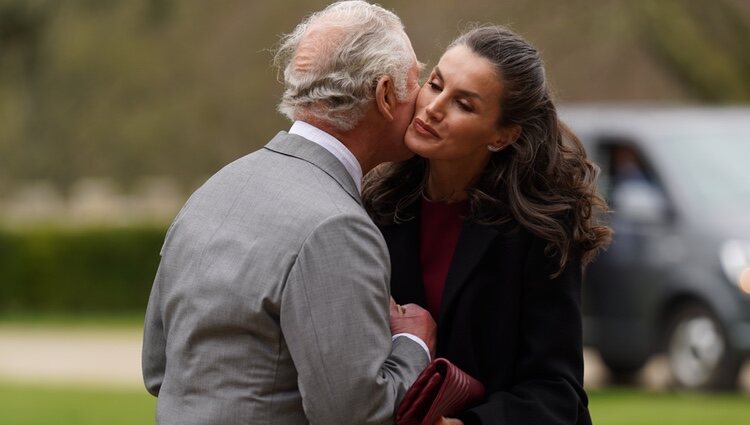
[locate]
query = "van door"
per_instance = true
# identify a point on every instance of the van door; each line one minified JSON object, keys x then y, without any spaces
{"x":621,"y":287}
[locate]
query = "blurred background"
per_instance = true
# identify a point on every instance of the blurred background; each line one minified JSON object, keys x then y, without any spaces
{"x":112,"y":112}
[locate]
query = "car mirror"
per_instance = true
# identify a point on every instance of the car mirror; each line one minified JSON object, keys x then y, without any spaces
{"x":640,"y":202}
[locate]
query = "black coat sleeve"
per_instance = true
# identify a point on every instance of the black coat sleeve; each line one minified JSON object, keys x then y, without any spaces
{"x":547,"y":383}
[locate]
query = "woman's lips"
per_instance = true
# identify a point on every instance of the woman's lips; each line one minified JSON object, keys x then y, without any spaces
{"x":424,"y":129}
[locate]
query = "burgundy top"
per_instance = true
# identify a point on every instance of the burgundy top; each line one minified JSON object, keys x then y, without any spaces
{"x":439,"y":231}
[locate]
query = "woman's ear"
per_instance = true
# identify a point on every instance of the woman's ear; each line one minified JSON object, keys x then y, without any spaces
{"x":385,"y":97}
{"x":508,"y":135}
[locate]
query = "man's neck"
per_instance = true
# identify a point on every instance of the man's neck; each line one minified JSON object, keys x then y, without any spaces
{"x":357,"y":140}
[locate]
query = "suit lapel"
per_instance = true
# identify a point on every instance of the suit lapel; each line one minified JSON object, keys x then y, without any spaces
{"x":471,"y":247}
{"x":299,"y":147}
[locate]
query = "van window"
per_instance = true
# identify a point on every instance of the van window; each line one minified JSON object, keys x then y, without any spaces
{"x":716,"y":168}
{"x":630,"y":184}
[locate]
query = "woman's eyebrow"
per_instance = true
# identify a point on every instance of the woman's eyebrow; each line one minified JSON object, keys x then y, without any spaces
{"x":461,"y":92}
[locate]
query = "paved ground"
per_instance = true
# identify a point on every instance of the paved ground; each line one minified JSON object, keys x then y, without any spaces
{"x":112,"y":358}
{"x":97,"y":357}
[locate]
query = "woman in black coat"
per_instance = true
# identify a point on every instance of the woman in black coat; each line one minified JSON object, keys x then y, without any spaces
{"x":489,"y":227}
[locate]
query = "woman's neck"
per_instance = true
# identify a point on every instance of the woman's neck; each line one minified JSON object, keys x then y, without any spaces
{"x":448,"y":181}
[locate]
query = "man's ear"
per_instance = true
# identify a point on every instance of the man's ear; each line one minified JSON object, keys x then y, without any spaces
{"x":385,"y":97}
{"x":507,"y":136}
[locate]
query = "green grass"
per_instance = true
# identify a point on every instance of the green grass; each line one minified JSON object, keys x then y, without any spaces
{"x":23,"y":404}
{"x":68,"y":320}
{"x":628,"y":407}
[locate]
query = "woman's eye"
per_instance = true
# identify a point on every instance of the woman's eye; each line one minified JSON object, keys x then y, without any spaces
{"x":465,"y":106}
{"x":434,"y":86}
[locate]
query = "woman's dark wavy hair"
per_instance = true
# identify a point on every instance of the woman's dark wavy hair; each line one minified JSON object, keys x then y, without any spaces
{"x":543,"y":180}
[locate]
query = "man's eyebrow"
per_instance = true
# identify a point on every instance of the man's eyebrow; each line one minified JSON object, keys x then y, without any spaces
{"x":464,"y":93}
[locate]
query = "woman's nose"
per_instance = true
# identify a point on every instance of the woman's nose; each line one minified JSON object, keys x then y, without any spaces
{"x":434,"y":110}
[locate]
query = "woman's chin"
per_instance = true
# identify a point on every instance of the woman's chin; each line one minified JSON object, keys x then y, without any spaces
{"x":417,"y":145}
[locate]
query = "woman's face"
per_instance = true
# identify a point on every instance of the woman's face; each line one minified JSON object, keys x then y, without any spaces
{"x":457,"y":110}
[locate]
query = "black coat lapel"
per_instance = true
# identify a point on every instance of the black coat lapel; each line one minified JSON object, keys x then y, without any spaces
{"x":406,"y":273}
{"x":470,"y":248}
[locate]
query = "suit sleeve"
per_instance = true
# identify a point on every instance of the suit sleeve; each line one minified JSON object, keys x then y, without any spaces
{"x":153,"y":352}
{"x":153,"y":355}
{"x":548,"y":377}
{"x":334,"y":318}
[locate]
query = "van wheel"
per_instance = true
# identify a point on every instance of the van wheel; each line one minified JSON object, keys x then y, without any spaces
{"x":699,"y":354}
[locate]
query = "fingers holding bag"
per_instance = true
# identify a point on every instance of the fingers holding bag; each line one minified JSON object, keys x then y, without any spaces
{"x":442,"y":389}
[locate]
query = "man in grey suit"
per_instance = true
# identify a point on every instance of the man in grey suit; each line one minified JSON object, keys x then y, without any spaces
{"x":271,"y":302}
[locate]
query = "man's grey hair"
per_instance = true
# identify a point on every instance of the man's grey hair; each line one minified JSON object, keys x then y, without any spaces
{"x":333,"y":78}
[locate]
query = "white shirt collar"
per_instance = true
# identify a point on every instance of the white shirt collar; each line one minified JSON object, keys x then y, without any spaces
{"x":332,"y":145}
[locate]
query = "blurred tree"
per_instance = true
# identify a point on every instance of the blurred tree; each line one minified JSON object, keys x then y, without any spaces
{"x":125,"y":88}
{"x":704,"y":44}
{"x":22,"y":27}
{"x":158,"y":11}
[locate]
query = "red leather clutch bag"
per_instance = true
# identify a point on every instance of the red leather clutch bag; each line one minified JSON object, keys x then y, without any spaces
{"x":442,"y":389}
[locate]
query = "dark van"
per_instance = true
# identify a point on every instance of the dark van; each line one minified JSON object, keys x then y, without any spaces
{"x":676,"y":279}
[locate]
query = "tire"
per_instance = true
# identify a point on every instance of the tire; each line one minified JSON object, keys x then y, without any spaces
{"x":700,"y":355}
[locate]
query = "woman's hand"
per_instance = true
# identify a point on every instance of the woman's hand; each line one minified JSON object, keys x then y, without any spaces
{"x":449,"y":421}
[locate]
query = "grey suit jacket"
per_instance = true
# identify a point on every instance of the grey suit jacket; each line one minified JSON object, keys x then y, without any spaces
{"x":270,"y":305}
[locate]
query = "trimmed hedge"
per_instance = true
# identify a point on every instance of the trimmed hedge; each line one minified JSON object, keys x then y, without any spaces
{"x":78,"y":270}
